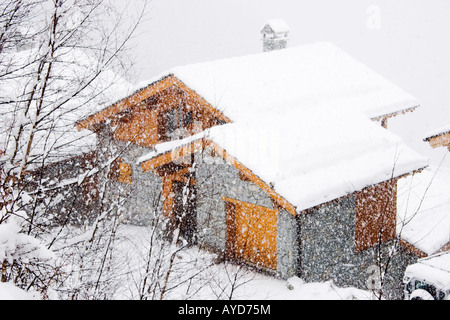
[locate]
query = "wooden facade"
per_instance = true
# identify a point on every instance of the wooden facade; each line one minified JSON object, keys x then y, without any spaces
{"x":136,"y":117}
{"x":376,"y":215}
{"x":164,"y":117}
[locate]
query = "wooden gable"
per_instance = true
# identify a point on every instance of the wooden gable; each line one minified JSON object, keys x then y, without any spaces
{"x":165,"y":110}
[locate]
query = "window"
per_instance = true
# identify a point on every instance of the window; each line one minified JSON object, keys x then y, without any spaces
{"x":171,"y":123}
{"x":188,"y":118}
{"x":171,"y":118}
{"x":121,"y":172}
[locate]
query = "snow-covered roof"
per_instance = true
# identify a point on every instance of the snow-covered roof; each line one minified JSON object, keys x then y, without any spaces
{"x":312,"y":159}
{"x":314,"y":76}
{"x":301,"y":120}
{"x":423,"y":209}
{"x":316,"y":159}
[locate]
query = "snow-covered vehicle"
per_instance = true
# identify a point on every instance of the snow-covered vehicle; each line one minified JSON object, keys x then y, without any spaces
{"x":428,"y":279}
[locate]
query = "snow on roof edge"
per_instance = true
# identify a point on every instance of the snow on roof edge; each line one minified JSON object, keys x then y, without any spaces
{"x":437,"y":132}
{"x":399,"y":107}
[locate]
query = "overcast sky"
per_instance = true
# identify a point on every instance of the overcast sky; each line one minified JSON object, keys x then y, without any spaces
{"x":406,"y":41}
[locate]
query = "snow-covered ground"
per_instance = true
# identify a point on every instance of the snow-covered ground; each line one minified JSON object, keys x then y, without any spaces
{"x":220,"y":280}
{"x":196,"y":276}
{"x":8,"y":291}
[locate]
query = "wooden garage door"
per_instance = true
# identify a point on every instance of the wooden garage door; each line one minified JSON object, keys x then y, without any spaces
{"x":252,"y":233}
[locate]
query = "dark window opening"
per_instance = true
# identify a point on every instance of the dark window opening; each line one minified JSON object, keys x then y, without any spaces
{"x":172,"y":122}
{"x":188,"y":118}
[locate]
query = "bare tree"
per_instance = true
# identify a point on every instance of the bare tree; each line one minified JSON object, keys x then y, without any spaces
{"x":59,"y":60}
{"x":386,"y":255}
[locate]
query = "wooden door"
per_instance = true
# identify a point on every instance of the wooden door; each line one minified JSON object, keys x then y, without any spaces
{"x":253,"y":233}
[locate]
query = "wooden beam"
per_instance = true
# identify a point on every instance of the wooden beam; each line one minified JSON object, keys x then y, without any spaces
{"x":200,"y":145}
{"x":413,"y":249}
{"x":442,"y":140}
{"x":145,"y":94}
{"x":394,"y":114}
{"x":126,"y":103}
{"x":173,"y":155}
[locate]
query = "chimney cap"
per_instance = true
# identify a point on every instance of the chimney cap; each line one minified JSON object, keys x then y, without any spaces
{"x":275,"y":26}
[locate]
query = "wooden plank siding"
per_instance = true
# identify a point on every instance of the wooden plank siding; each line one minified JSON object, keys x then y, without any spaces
{"x":163,"y":94}
{"x":145,"y":124}
{"x":376,"y":215}
{"x":252,"y":233}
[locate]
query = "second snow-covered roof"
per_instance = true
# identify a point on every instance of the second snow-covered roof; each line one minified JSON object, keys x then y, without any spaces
{"x":314,"y":159}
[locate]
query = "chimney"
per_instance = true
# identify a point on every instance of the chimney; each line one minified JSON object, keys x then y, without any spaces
{"x":275,"y":35}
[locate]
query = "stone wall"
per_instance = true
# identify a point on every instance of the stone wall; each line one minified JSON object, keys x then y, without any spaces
{"x":327,"y":237}
{"x":139,"y":201}
{"x":287,"y":245}
{"x":217,"y":179}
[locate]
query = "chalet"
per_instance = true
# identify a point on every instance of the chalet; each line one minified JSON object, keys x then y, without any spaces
{"x":277,"y":159}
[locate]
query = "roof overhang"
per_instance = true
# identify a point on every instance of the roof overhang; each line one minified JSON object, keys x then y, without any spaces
{"x":439,"y":140}
{"x":144,"y":94}
{"x":394,"y":114}
{"x":200,"y":145}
